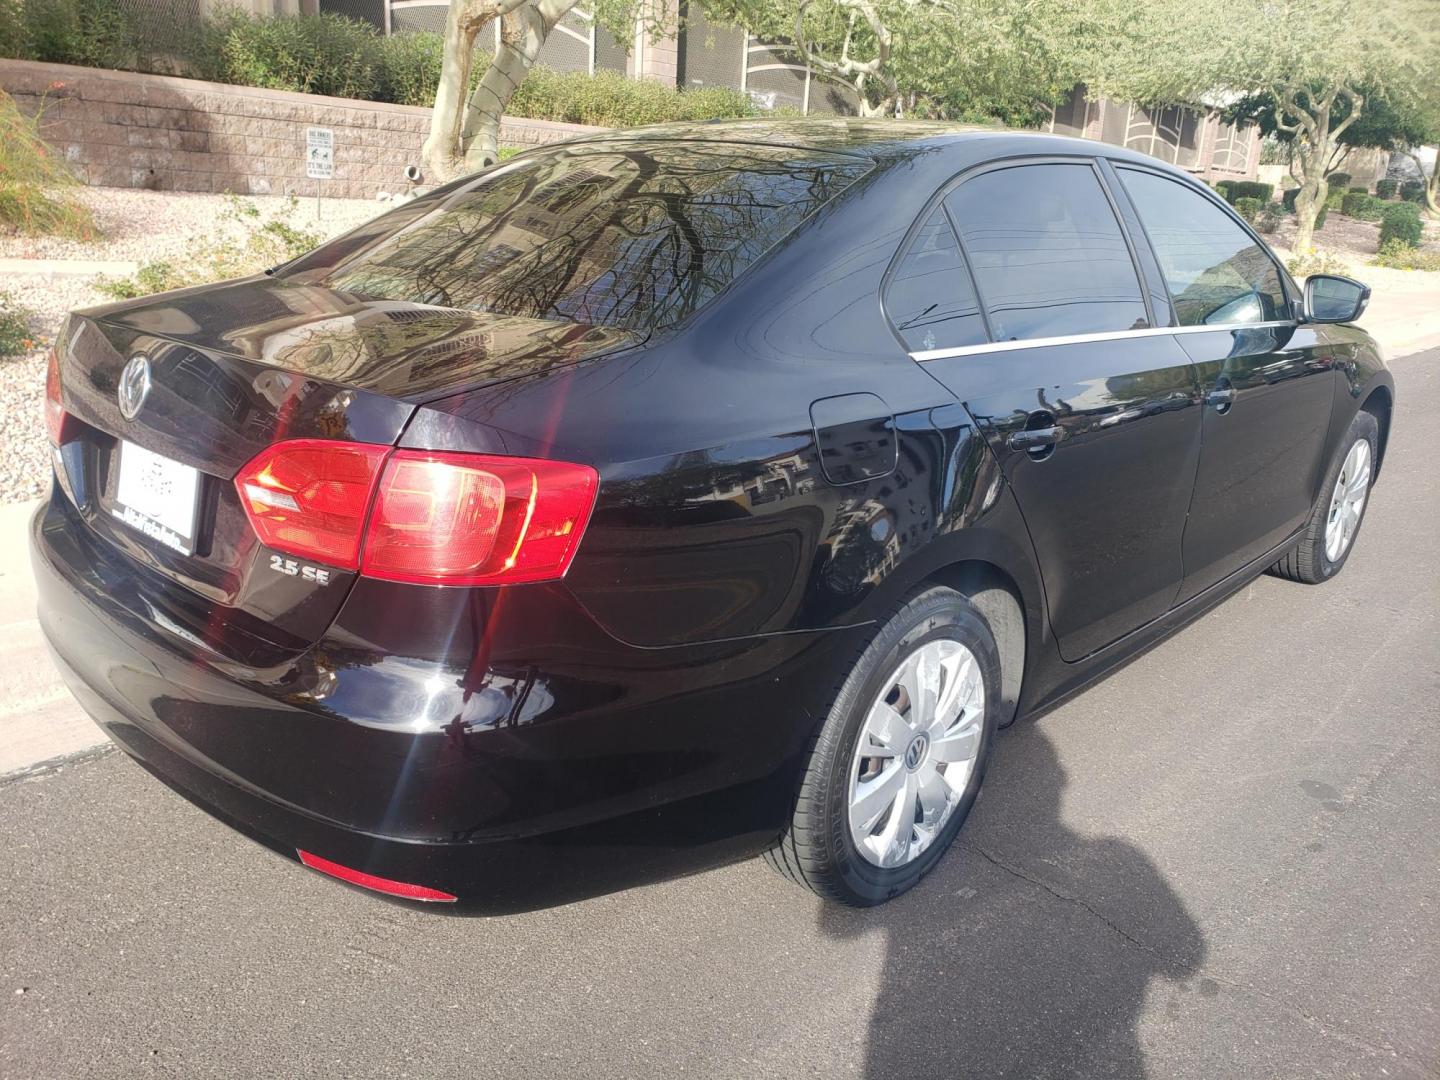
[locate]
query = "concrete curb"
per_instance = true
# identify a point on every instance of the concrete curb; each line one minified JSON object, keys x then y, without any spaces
{"x":1421,"y":344}
{"x":53,"y":268}
{"x":57,"y":764}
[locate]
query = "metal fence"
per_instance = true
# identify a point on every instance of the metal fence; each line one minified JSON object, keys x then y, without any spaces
{"x":713,"y":55}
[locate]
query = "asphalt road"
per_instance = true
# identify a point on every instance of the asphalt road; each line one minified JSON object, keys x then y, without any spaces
{"x":1223,"y":861}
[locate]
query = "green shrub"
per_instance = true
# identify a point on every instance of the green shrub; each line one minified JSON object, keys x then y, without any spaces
{"x":12,"y":30}
{"x":243,"y":242}
{"x":1269,"y":219}
{"x":1413,"y":191}
{"x":152,"y":277}
{"x":1222,"y":187}
{"x":1338,"y":179}
{"x":1359,"y":188}
{"x":411,"y":63}
{"x":1249,"y":189}
{"x":37,"y":189}
{"x":1317,"y":261}
{"x":1320,"y":218}
{"x":609,"y":99}
{"x":1401,"y":223}
{"x":1400,"y":256}
{"x":1360,"y":204}
{"x":15,"y":336}
{"x":328,"y":54}
{"x":1287,"y":200}
{"x":1249,"y":209}
{"x":1334,"y":198}
{"x":312,"y":54}
{"x":92,"y":33}
{"x":1385,"y":189}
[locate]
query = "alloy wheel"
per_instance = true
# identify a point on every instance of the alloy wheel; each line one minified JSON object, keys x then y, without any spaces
{"x":1347,"y":501}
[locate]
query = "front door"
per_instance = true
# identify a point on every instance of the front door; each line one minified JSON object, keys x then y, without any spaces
{"x":1092,"y":412}
{"x":1268,"y":388}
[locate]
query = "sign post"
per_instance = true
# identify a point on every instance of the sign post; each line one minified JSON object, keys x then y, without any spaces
{"x":319,"y":159}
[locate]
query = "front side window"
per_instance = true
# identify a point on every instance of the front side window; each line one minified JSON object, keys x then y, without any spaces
{"x":1047,"y":251}
{"x":930,"y":299}
{"x":631,"y":236}
{"x":1217,"y":274}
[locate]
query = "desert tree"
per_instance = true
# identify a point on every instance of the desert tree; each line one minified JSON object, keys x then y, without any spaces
{"x":1326,"y":67}
{"x":948,"y":59}
{"x":465,"y":125}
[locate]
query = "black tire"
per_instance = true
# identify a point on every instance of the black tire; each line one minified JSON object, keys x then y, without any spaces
{"x":816,"y":850}
{"x":1306,"y":561}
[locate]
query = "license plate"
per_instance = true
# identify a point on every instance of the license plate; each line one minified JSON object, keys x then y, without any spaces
{"x":157,"y":496}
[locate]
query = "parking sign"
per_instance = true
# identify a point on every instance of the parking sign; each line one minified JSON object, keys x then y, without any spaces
{"x":319,"y":153}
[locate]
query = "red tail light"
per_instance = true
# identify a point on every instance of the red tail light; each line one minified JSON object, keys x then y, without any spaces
{"x":370,"y":881}
{"x":308,"y":497}
{"x":438,"y":518}
{"x":475,"y":519}
{"x":54,"y":409}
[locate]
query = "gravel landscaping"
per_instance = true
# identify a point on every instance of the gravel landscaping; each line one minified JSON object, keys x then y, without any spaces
{"x":137,"y":227}
{"x":1353,"y":240}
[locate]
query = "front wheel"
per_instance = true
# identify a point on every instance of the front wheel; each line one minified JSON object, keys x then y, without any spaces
{"x":1334,"y":523}
{"x":898,"y":762}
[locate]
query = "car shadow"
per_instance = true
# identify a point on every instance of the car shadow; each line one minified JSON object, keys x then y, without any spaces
{"x":1031,"y":949}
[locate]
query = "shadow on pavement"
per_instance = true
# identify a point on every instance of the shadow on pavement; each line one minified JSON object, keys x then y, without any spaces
{"x":1030,"y":950}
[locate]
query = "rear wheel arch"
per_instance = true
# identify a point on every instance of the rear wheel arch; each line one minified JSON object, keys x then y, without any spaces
{"x":997,"y":597}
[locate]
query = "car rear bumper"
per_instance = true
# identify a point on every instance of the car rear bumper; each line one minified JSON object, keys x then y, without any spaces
{"x":595,"y":791}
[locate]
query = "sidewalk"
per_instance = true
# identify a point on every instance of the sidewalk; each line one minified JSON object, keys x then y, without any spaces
{"x":1404,"y":311}
{"x":39,"y":721}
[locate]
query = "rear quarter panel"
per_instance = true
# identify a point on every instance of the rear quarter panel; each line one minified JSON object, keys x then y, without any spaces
{"x":715,"y":519}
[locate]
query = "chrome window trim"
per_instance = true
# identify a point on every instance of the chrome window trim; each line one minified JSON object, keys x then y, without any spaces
{"x":1075,"y":339}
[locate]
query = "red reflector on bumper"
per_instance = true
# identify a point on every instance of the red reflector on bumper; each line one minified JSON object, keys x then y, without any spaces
{"x":370,"y":881}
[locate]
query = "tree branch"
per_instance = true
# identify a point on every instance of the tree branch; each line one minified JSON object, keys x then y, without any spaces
{"x":1357,"y":102}
{"x":1287,"y":96}
{"x":857,"y":73}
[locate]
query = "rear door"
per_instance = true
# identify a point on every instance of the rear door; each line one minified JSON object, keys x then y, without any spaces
{"x":1268,"y":388}
{"x":1093,"y":412}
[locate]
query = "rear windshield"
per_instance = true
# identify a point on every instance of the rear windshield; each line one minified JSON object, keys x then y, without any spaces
{"x":613,"y":236}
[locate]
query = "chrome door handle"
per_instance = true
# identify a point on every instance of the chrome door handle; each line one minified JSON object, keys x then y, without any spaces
{"x":1036,"y":439}
{"x":1221,"y":398}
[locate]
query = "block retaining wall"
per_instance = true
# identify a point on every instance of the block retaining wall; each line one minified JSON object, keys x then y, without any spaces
{"x":122,"y":129}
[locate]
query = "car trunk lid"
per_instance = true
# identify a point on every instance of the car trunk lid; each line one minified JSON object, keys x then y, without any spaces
{"x":233,"y":369}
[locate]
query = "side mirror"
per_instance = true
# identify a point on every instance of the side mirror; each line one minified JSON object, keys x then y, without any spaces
{"x":1330,"y":298}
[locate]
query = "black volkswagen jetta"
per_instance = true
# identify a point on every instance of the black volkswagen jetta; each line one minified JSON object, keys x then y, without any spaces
{"x":663,"y":498}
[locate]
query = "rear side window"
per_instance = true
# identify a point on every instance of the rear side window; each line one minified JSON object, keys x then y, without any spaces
{"x":1216,"y":273}
{"x":930,"y":299}
{"x":1047,"y":251}
{"x":632,"y":236}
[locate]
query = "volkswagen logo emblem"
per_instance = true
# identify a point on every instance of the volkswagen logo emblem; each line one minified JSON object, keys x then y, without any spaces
{"x":134,"y":386}
{"x":915,"y":752}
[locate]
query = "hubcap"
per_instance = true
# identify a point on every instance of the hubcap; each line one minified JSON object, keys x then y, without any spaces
{"x":1347,"y":501}
{"x":917,"y":751}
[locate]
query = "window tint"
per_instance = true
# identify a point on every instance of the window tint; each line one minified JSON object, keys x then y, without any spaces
{"x":930,"y":298}
{"x":1048,"y":254}
{"x":1216,"y":273}
{"x":634,"y":236}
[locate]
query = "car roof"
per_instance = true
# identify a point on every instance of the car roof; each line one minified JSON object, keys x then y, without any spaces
{"x":877,"y":139}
